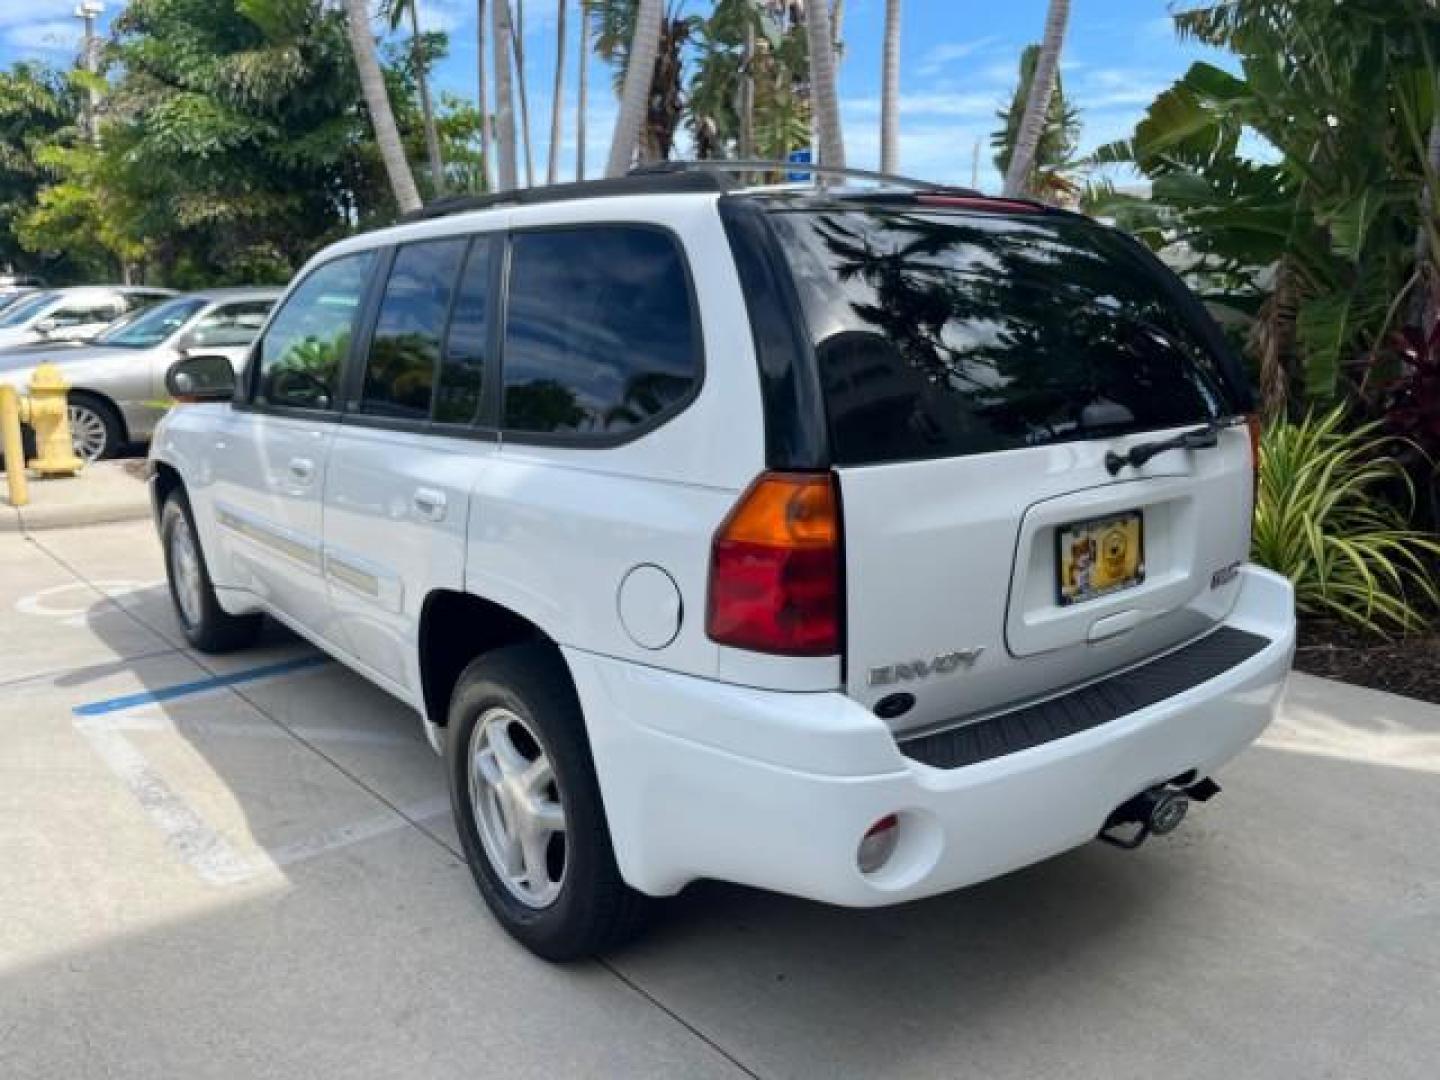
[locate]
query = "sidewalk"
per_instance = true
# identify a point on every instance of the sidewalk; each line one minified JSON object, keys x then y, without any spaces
{"x":106,"y":491}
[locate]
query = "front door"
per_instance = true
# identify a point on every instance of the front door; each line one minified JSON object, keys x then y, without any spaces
{"x":269,"y":460}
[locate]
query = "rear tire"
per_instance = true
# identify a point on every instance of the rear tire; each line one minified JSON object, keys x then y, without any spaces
{"x":206,"y":625}
{"x":516,"y":747}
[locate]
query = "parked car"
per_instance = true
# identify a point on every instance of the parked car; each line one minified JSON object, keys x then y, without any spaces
{"x":117,"y":381}
{"x":74,"y":314}
{"x":9,"y":294}
{"x":854,"y":545}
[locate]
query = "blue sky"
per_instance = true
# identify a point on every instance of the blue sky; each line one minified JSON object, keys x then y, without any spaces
{"x":958,"y":64}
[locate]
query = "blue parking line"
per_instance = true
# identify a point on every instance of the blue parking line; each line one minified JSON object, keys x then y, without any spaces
{"x":199,"y":686}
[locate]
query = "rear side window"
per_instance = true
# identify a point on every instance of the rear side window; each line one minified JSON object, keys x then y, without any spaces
{"x":947,"y":334}
{"x":405,"y":349}
{"x":304,"y":349}
{"x":600,"y":331}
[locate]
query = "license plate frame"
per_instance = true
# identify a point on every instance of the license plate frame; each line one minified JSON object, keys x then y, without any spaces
{"x":1099,"y":557}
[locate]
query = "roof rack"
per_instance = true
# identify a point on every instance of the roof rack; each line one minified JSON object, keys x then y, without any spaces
{"x":669,"y":177}
{"x":744,"y":165}
{"x":634,"y":183}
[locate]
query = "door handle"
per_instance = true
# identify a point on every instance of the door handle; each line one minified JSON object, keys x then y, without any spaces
{"x":430,"y":503}
{"x":302,"y":469}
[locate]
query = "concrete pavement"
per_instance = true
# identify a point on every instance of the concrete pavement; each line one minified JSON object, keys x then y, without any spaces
{"x":244,"y":867}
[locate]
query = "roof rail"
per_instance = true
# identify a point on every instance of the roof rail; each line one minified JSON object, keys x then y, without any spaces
{"x":635,"y":183}
{"x":733,"y":165}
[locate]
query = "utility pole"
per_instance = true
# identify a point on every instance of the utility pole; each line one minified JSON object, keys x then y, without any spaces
{"x":88,"y":11}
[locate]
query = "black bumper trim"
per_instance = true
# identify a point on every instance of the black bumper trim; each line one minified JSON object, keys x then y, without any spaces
{"x":1087,"y":707}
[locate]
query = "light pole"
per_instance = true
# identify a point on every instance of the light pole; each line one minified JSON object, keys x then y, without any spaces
{"x":88,"y":11}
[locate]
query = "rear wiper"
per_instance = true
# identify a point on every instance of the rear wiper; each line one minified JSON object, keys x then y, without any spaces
{"x":1199,"y":439}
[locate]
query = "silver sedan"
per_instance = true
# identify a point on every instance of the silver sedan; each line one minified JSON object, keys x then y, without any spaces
{"x":117,"y":381}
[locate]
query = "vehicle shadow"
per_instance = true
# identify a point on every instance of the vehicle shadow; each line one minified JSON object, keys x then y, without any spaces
{"x":1095,"y":963}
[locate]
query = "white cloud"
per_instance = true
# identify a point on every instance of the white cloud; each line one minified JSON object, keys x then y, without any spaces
{"x":973,"y":105}
{"x":28,"y":13}
{"x":51,"y":35}
{"x":940,"y":56}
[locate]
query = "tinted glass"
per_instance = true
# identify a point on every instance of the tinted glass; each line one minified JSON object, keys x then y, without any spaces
{"x":230,"y":325}
{"x":946,"y":334}
{"x":599,"y":333}
{"x":405,"y":350}
{"x":153,"y":326}
{"x":462,"y":368}
{"x":304,"y":350}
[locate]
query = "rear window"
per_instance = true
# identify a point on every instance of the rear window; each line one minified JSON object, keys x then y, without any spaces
{"x":942,"y":334}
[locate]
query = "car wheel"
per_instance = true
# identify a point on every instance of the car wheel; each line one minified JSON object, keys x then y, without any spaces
{"x":528,"y":810}
{"x":206,"y":625}
{"x":95,"y":428}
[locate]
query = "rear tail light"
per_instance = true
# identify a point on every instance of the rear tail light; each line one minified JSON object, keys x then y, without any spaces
{"x":775,"y":568}
{"x":1252,"y":423}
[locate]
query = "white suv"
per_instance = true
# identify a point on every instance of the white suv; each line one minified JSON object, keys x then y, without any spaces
{"x":859,"y":544}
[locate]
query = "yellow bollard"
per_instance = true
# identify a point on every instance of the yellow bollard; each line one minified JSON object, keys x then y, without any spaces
{"x":14,"y":450}
{"x":49,"y":416}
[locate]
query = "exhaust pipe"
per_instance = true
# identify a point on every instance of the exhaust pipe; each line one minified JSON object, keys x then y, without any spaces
{"x":1155,"y":812}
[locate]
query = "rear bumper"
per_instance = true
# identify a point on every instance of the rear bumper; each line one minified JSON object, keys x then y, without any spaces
{"x":708,"y":780}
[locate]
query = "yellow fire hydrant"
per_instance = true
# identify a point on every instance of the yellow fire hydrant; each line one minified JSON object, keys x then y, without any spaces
{"x":47,"y":410}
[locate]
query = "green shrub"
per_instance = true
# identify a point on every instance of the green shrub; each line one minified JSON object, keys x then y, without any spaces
{"x":1323,"y":519}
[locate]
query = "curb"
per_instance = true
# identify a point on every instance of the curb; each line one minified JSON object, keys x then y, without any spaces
{"x":112,"y":499}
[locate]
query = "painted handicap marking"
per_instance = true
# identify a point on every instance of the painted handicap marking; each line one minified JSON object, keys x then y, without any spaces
{"x":49,"y":603}
{"x":199,"y":686}
{"x":104,"y":724}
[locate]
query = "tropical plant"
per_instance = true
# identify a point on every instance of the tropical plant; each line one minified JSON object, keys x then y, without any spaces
{"x":557,"y":100}
{"x":377,"y":102}
{"x":500,"y":32}
{"x":38,"y":109}
{"x":582,"y":90}
{"x":1055,"y":157}
{"x":824,"y":88}
{"x":1323,"y":519}
{"x":398,"y":11}
{"x":1311,"y":238}
{"x":890,"y":90}
{"x":517,"y":48}
{"x":482,"y":100}
{"x":614,"y":24}
{"x":1037,"y":104}
{"x":639,"y":72}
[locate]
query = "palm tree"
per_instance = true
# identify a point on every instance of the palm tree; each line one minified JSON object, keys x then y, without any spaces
{"x":377,"y":103}
{"x":504,"y":100}
{"x":487,"y":171}
{"x":582,"y":89}
{"x":634,"y":97}
{"x":1054,"y":163}
{"x":399,"y":9}
{"x":1037,"y":108}
{"x":825,"y":97}
{"x":890,"y":91}
{"x":557,"y":104}
{"x":517,"y":44}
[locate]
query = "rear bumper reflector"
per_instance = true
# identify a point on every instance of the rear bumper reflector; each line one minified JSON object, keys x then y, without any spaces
{"x":1087,"y":707}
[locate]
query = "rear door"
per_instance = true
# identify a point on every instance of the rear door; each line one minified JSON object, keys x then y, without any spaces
{"x":977,"y":369}
{"x":397,"y":492}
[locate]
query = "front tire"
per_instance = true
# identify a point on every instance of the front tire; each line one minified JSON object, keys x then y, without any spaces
{"x":206,"y":625}
{"x":528,"y":809}
{"x":96,"y":431}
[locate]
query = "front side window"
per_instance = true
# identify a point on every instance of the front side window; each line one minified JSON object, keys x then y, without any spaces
{"x":405,"y":348}
{"x":600,"y":332}
{"x":303,"y":352}
{"x":943,"y":334}
{"x":462,"y":368}
{"x":141,"y":331}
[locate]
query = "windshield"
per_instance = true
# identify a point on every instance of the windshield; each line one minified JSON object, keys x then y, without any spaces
{"x":22,"y":309}
{"x":153,"y":326}
{"x":944,"y":334}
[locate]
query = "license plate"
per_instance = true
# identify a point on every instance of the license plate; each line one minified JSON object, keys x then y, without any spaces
{"x":1098,"y":557}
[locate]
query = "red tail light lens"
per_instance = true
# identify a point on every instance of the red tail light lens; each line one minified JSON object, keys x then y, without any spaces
{"x":775,"y":568}
{"x":1252,"y":423}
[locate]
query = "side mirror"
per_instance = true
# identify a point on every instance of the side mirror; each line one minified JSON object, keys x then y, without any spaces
{"x":201,"y":378}
{"x":47,"y":325}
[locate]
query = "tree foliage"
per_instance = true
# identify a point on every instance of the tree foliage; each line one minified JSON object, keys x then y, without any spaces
{"x":1056,"y":157}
